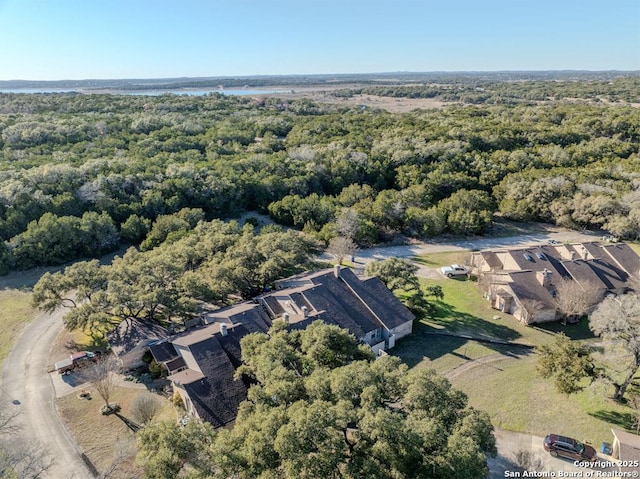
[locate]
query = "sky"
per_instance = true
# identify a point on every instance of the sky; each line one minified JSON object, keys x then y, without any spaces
{"x":95,"y":39}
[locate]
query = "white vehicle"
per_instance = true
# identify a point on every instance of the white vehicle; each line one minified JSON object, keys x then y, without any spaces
{"x":454,"y":270}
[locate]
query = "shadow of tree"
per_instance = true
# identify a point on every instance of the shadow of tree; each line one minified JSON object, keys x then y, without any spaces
{"x":624,"y":420}
{"x":128,"y":422}
{"x":445,"y":315}
{"x":95,"y":343}
{"x":426,"y":343}
{"x":573,"y":331}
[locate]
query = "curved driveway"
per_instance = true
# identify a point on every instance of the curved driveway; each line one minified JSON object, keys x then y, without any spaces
{"x":28,"y":386}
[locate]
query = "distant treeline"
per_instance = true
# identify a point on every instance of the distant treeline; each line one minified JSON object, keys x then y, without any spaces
{"x":511,"y":92}
{"x":392,"y":78}
{"x":82,"y":174}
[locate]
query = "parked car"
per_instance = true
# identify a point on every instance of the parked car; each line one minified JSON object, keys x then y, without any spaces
{"x":76,"y":360}
{"x":552,"y":241}
{"x":562,"y":446}
{"x":454,"y":270}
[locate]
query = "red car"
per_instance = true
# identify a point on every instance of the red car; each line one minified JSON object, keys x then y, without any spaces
{"x":562,"y":446}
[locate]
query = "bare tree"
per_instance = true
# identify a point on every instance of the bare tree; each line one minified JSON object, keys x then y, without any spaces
{"x":120,"y":465}
{"x":634,"y":403}
{"x":145,"y":407}
{"x":575,"y":299}
{"x":102,"y":375}
{"x":529,"y":308}
{"x":617,"y":321}
{"x":19,"y":459}
{"x":347,"y":223}
{"x":8,"y":419}
{"x":339,"y":247}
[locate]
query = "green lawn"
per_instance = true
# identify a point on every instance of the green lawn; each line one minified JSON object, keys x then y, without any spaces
{"x":15,"y":312}
{"x":465,"y":311}
{"x":508,"y":389}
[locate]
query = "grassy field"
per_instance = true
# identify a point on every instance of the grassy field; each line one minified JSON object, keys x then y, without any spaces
{"x":502,"y":379}
{"x":15,"y":312}
{"x":517,"y":399}
{"x":100,"y":437}
{"x":434,"y":260}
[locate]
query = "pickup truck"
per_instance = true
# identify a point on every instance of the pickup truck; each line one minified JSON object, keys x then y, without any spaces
{"x":74,"y":360}
{"x":454,"y":270}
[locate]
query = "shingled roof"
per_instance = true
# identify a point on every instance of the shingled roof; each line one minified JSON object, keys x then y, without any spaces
{"x":343,"y":299}
{"x":211,"y":353}
{"x":213,"y":391}
{"x":610,"y":267}
{"x":132,"y":334}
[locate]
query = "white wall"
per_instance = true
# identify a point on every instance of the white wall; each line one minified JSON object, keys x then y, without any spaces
{"x":402,"y":330}
{"x":187,"y":356}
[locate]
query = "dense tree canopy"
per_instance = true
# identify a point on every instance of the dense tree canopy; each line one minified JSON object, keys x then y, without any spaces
{"x":214,"y":262}
{"x":81,"y":173}
{"x":323,"y":407}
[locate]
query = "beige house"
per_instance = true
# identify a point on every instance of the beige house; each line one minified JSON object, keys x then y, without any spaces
{"x":523,"y":281}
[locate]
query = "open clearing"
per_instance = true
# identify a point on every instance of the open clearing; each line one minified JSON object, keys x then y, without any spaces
{"x":15,"y":312}
{"x":102,"y":437}
{"x":501,"y":379}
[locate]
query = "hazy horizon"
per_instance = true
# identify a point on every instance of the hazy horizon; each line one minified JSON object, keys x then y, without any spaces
{"x":76,"y":40}
{"x":306,"y":75}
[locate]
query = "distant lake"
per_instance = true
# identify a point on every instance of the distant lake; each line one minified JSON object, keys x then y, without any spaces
{"x":238,"y":92}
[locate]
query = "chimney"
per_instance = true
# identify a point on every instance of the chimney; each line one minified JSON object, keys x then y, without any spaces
{"x":285,"y":317}
{"x":336,"y":271}
{"x":305,"y":311}
{"x":573,"y":256}
{"x":544,"y":277}
{"x":585,"y":254}
{"x":223,"y":329}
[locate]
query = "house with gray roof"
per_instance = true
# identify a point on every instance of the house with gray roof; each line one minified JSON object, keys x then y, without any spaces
{"x":365,"y":307}
{"x":201,"y":362}
{"x":523,"y":281}
{"x":131,"y":338}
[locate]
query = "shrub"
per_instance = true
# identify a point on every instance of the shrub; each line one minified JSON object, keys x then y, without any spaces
{"x":147,"y":357}
{"x":155,"y":369}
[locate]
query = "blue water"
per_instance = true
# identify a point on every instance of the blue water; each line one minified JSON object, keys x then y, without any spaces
{"x":238,"y":92}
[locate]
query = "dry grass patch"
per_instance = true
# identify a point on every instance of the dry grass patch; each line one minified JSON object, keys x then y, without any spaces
{"x":518,"y":400}
{"x":445,"y":258}
{"x":15,"y":312}
{"x":100,"y":437}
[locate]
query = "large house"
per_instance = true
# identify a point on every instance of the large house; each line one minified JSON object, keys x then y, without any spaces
{"x":201,"y":362}
{"x":523,"y":281}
